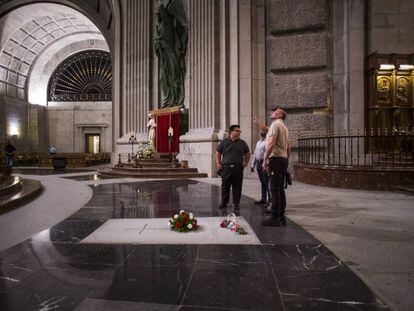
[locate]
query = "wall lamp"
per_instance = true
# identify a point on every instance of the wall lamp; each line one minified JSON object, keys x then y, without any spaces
{"x":387,"y":66}
{"x":406,"y":67}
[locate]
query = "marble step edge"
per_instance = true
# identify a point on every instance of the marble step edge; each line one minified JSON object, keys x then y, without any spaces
{"x":161,"y":161}
{"x":11,"y":186}
{"x":167,"y":164}
{"x":152,"y":169}
{"x":30,"y":190}
{"x":153,"y":175}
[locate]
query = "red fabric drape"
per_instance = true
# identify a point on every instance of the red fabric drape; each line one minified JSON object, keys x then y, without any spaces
{"x":175,"y":123}
{"x":164,"y":121}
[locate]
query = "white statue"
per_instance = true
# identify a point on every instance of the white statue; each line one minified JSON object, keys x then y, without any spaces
{"x":151,"y":125}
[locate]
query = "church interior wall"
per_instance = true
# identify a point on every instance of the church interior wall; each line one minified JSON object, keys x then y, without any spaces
{"x":22,"y":124}
{"x":67,"y":122}
{"x":391,"y":26}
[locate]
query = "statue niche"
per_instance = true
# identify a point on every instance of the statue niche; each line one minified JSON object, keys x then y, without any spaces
{"x":170,"y":44}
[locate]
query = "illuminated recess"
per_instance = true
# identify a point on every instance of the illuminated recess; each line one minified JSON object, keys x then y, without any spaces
{"x":387,"y":66}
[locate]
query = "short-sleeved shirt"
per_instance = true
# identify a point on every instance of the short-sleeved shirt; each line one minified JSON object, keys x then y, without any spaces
{"x":233,"y":151}
{"x":279,"y":130}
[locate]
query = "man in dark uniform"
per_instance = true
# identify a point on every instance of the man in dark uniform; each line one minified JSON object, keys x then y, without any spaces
{"x":232,"y":156}
{"x":9,"y":152}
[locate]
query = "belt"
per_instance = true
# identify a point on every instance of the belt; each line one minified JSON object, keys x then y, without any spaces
{"x":232,"y":165}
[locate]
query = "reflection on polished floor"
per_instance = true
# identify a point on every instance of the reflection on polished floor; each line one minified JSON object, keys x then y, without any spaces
{"x":289,"y":270}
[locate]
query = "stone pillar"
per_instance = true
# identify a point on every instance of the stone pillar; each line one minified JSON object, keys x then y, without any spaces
{"x":225,"y":79}
{"x":203,"y":86}
{"x":251,"y":81}
{"x":258,"y":64}
{"x":136,"y":61}
{"x":348,"y":65}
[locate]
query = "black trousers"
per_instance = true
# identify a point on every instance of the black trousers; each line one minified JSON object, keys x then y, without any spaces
{"x":231,"y":177}
{"x":277,"y":174}
{"x":264,"y":180}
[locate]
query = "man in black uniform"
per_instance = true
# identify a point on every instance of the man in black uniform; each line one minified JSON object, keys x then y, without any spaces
{"x":232,"y":156}
{"x":9,"y":151}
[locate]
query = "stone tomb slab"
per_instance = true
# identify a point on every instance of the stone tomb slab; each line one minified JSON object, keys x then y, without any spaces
{"x":157,"y":231}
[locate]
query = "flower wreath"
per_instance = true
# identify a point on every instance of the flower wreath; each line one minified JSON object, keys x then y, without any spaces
{"x":183,"y":222}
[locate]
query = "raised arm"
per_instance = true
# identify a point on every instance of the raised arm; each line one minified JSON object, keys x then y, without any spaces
{"x":260,"y":124}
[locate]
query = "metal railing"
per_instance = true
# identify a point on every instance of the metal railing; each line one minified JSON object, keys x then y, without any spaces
{"x":395,"y":149}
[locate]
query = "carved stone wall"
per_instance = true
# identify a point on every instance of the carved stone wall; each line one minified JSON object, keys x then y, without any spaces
{"x":298,"y":76}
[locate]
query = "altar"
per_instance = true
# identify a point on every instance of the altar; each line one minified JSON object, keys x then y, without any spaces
{"x":170,"y":124}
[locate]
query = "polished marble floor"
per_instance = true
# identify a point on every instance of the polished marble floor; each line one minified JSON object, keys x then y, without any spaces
{"x":46,"y":171}
{"x":289,"y":270}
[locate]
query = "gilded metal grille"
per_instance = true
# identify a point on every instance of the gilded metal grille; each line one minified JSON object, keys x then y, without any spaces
{"x":85,"y":76}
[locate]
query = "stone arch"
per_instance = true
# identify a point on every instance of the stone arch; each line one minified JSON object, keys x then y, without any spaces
{"x":46,"y":64}
{"x":35,"y":36}
{"x":26,"y":42}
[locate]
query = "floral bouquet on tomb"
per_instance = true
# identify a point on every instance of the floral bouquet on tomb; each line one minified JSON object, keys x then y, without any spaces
{"x":183,"y":222}
{"x":145,"y":151}
{"x":232,"y":224}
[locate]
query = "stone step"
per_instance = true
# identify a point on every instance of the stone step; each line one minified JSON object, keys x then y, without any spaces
{"x":152,"y":161}
{"x":150,"y":174}
{"x":9,"y":186}
{"x":149,"y":164}
{"x":30,"y":189}
{"x":156,"y":169}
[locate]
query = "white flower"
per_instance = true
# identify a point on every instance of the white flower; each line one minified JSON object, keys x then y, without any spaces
{"x":175,"y":216}
{"x":190,"y":226}
{"x":191,"y":216}
{"x":182,"y":211}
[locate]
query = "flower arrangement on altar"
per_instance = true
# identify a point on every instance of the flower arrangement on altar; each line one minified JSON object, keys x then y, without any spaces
{"x":232,"y":224}
{"x":183,"y":222}
{"x":145,"y":151}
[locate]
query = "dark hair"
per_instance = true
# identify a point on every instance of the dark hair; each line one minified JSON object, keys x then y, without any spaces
{"x":233,"y":127}
{"x":263,"y":134}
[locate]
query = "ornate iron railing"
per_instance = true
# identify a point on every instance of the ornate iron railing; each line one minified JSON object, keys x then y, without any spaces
{"x":360,"y":149}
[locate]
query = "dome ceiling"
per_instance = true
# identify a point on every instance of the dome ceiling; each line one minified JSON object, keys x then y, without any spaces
{"x":26,"y":33}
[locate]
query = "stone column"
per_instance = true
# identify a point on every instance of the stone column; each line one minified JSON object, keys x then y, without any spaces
{"x":225,"y":79}
{"x":202,"y":85}
{"x":348,"y":65}
{"x":136,"y":61}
